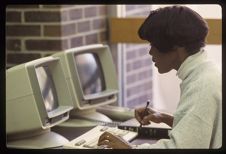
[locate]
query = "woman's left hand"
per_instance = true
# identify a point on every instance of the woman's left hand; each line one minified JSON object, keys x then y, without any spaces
{"x":111,"y":141}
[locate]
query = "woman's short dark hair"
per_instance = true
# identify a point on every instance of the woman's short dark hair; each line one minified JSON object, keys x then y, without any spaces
{"x":174,"y":26}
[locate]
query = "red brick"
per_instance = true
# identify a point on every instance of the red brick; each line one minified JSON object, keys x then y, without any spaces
{"x":59,"y":30}
{"x":75,"y":14}
{"x":68,"y":29}
{"x":64,"y":16}
{"x":18,"y":58}
{"x":131,"y":55}
{"x":99,"y":23}
{"x":137,"y":64}
{"x":83,"y":26}
{"x":91,"y":11}
{"x":145,"y":74}
{"x":102,"y":10}
{"x":46,"y":45}
{"x":132,"y":103}
{"x":128,"y":67}
{"x":138,"y":88}
{"x":13,"y":16}
{"x":13,"y":44}
{"x":131,"y":78}
{"x":77,"y":41}
{"x":52,"y":30}
{"x":91,"y":39}
{"x":22,"y":30}
{"x":137,"y":58}
{"x":144,"y":51}
{"x":42,"y":16}
{"x":133,"y":91}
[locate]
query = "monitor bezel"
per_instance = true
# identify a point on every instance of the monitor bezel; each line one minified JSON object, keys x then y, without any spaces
{"x":105,"y":93}
{"x":25,"y":115}
{"x":82,"y":101}
{"x":50,"y":118}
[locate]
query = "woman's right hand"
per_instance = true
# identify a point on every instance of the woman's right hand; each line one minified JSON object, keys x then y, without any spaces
{"x":144,"y":117}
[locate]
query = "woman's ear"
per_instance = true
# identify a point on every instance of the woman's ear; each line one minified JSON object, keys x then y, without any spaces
{"x":181,"y":52}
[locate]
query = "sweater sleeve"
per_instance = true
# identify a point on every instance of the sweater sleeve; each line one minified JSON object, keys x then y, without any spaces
{"x":190,"y":132}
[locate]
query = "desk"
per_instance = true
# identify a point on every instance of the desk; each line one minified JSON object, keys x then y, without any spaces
{"x":140,"y":140}
{"x":72,"y":133}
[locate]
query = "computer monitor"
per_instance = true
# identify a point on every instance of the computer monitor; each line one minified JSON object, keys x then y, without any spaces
{"x":92,"y":79}
{"x":37,"y":98}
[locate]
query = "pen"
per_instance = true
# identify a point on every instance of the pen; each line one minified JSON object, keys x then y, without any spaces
{"x":145,"y":110}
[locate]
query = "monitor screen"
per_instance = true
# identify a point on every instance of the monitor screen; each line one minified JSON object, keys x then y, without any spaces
{"x":47,"y":88}
{"x":90,"y":73}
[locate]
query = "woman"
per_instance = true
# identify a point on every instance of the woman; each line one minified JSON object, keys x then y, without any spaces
{"x":177,"y":36}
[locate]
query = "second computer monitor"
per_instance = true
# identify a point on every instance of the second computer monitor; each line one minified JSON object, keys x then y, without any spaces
{"x":91,"y":76}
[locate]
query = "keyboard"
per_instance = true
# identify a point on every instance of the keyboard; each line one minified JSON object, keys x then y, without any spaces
{"x":90,"y":139}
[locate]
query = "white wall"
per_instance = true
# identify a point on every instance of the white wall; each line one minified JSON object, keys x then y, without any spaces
{"x":211,"y":11}
{"x":166,"y":90}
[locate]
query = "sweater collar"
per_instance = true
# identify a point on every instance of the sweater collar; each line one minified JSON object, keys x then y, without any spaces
{"x":190,"y":63}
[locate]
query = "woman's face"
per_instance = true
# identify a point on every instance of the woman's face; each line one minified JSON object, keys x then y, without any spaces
{"x":165,"y":62}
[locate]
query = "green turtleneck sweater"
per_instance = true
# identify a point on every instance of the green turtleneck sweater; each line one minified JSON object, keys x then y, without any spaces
{"x":198,"y":117}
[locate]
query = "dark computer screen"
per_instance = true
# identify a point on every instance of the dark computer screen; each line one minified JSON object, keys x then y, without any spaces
{"x":47,"y":88}
{"x":90,"y":73}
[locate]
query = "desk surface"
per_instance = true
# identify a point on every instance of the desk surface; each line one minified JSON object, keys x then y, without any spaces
{"x":72,"y":133}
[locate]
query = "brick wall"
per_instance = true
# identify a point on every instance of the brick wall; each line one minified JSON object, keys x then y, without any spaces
{"x":138,"y":65}
{"x":35,"y":31}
